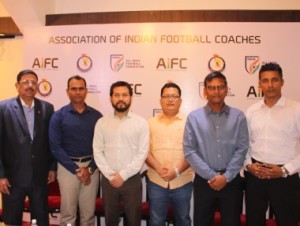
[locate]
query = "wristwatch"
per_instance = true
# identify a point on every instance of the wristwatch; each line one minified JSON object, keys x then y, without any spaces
{"x":284,"y":171}
{"x":91,"y":170}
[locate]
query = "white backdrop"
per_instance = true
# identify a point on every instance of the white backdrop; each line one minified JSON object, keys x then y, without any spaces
{"x":148,"y":55}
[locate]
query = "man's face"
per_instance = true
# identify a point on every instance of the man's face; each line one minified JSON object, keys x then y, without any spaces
{"x":271,"y":84}
{"x":170,"y":101}
{"x":121,"y":99}
{"x":215,"y":91}
{"x":27,"y":86}
{"x":77,"y":91}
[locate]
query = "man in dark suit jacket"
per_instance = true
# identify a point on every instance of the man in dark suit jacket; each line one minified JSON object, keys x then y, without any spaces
{"x":26,"y":165}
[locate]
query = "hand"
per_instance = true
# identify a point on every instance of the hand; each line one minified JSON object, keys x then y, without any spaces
{"x":116,"y":180}
{"x":4,"y":186}
{"x":83,"y":175}
{"x":218,"y":182}
{"x":169,"y":174}
{"x":264,"y":170}
{"x":51,"y":176}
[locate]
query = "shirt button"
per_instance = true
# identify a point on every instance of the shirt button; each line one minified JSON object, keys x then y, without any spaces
{"x":218,"y":141}
{"x":33,"y":156}
{"x":219,"y":156}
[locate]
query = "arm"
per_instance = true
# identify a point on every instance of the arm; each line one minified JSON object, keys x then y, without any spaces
{"x":99,"y":150}
{"x":238,"y":158}
{"x":191,"y":148}
{"x":140,"y":156}
{"x":55,"y":139}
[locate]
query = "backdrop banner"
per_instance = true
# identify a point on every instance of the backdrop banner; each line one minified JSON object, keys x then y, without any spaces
{"x":147,"y":55}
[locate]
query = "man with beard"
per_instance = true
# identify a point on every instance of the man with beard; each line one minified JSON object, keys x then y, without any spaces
{"x":26,"y":165}
{"x":120,"y":149}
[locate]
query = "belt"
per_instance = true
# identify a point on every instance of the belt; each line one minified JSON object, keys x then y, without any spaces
{"x":254,"y":161}
{"x":81,"y":159}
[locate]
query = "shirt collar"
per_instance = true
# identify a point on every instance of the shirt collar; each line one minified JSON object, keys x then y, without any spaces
{"x":280,"y":103}
{"x":178,"y":116}
{"x":70,"y":108}
{"x":225,"y":109}
{"x":24,"y":104}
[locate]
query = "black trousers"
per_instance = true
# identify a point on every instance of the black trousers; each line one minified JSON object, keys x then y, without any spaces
{"x":130,"y":194}
{"x":229,"y":199}
{"x":14,"y":202}
{"x":281,"y":194}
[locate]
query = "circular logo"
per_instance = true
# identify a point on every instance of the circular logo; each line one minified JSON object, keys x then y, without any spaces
{"x":216,"y":63}
{"x":84,"y":63}
{"x":44,"y":88}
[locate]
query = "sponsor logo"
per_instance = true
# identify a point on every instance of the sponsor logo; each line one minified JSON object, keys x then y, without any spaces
{"x":116,"y":62}
{"x":93,"y":89}
{"x":254,"y":93}
{"x":44,"y":88}
{"x":169,"y":64}
{"x":84,"y":63}
{"x":45,"y":63}
{"x":216,"y":63}
{"x":252,"y":64}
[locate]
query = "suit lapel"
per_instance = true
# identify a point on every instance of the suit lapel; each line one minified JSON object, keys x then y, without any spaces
{"x":21,"y":116}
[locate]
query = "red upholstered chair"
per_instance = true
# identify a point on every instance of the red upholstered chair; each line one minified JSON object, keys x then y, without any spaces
{"x":99,"y":211}
{"x":1,"y":220}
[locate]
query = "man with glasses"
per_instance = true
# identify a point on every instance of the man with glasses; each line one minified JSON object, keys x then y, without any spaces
{"x":120,"y":149}
{"x":170,"y":177}
{"x":71,"y":134}
{"x":215,"y":144}
{"x":26,"y":165}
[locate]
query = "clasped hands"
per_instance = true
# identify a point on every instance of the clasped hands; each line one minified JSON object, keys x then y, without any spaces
{"x":264,"y":170}
{"x":218,"y":182}
{"x":83,"y":175}
{"x":167,"y":173}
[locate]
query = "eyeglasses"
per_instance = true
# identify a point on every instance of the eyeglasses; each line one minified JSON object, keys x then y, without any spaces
{"x":170,"y":97}
{"x":213,"y":88}
{"x":28,"y":82}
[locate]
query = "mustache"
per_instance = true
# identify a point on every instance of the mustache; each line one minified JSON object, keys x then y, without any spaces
{"x":30,"y":89}
{"x":121,"y":102}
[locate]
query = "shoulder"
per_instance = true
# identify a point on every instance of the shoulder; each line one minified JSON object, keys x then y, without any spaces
{"x":94,"y":111}
{"x":196,"y":113}
{"x":136,"y":117}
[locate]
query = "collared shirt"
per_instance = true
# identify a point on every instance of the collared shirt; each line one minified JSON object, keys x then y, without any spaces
{"x":71,"y":135}
{"x":166,"y":147}
{"x":216,"y":141}
{"x":29,"y":115}
{"x":121,"y":145}
{"x":275,"y":134}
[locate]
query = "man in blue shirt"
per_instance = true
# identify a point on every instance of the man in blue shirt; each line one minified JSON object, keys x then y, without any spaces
{"x":71,"y":134}
{"x":215,"y":144}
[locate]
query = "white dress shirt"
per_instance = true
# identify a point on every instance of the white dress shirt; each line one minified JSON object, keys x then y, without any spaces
{"x":121,"y":145}
{"x":275,"y":134}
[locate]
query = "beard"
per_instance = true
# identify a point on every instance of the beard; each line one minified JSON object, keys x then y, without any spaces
{"x":124,"y":108}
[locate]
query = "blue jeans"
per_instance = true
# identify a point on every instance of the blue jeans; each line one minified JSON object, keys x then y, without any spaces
{"x":160,"y":198}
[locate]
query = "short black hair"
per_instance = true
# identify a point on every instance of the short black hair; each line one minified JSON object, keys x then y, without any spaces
{"x":170,"y":85}
{"x":118,"y":84}
{"x":26,"y":71}
{"x":271,"y":66}
{"x":77,"y":77}
{"x":215,"y":74}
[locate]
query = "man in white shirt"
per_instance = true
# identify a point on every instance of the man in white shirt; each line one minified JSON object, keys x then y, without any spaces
{"x":273,"y":160}
{"x":120,"y":148}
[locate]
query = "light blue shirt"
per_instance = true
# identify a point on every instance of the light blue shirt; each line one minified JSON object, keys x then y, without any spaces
{"x":29,"y":115}
{"x":216,"y":141}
